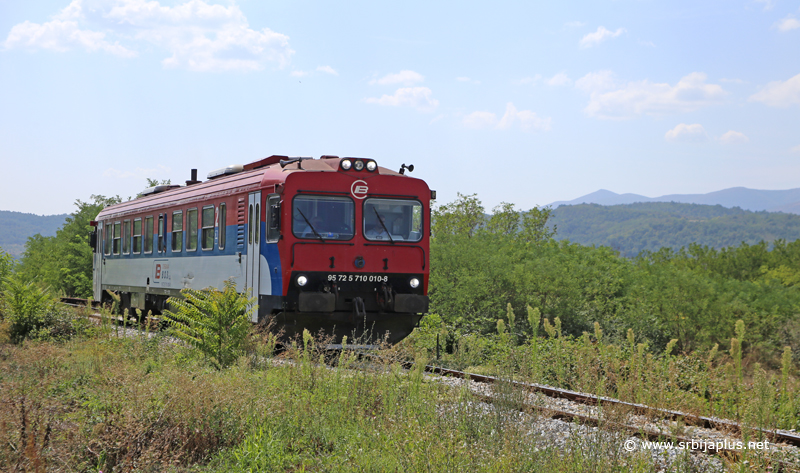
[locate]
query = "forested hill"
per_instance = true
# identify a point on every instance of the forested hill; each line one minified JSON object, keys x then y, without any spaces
{"x":631,"y":228}
{"x":16,"y":227}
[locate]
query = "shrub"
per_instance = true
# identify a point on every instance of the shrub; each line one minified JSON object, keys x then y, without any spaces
{"x":214,"y":322}
{"x":31,"y":312}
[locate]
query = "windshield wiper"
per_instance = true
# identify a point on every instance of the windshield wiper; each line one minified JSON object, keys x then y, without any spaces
{"x":311,"y":226}
{"x":380,"y":219}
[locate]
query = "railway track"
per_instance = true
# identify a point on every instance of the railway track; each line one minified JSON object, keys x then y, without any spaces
{"x":652,"y":434}
{"x":724,"y":448}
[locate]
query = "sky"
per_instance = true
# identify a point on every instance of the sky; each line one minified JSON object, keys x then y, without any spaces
{"x":521,"y":102}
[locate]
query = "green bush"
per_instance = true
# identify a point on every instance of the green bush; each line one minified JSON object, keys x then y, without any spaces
{"x":31,"y":312}
{"x":214,"y":322}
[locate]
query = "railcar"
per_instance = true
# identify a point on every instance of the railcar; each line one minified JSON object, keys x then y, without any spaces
{"x":338,"y":245}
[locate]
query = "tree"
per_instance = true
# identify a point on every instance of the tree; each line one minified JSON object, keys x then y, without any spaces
{"x":64,"y":262}
{"x":7,"y":264}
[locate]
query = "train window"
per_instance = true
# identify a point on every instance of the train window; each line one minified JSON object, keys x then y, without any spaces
{"x":222,"y":226}
{"x":191,"y":230}
{"x":117,"y":234}
{"x":148,"y":235}
{"x":257,"y":226}
{"x":126,"y":237}
{"x":177,"y":231}
{"x":323,"y":217}
{"x":392,"y":219}
{"x":250,"y":224}
{"x":207,"y":236}
{"x":137,"y":236}
{"x":161,"y":227}
{"x":274,"y":218}
{"x":108,"y":228}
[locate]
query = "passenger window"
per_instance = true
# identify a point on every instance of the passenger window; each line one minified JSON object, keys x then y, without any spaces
{"x":137,"y":236}
{"x":257,"y":226}
{"x":222,"y":226}
{"x":177,"y":231}
{"x":117,"y":234}
{"x":108,"y":228}
{"x":161,"y":227}
{"x":148,"y":235}
{"x":191,"y":230}
{"x":126,"y":237}
{"x":207,"y":236}
{"x":250,"y":225}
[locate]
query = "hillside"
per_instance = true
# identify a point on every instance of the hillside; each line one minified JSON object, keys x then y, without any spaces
{"x":631,"y":228}
{"x":16,"y":227}
{"x":748,"y":199}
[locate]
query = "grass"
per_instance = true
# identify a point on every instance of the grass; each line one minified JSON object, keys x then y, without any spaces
{"x":716,"y":384}
{"x":103,"y":402}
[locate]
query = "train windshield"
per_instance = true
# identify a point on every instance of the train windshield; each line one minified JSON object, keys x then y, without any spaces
{"x":392,"y":219}
{"x":323,"y":217}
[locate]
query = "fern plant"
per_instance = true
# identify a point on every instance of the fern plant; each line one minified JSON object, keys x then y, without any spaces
{"x":27,"y":307}
{"x":214,"y":322}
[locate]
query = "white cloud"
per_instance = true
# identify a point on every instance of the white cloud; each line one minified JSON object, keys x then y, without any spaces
{"x":796,"y":149}
{"x":597,"y":81}
{"x":197,"y":35}
{"x":779,"y":94}
{"x":528,"y":120}
{"x":402,"y":77}
{"x":645,"y":97}
{"x":599,"y":36}
{"x":559,"y":79}
{"x":529,"y":80}
{"x":298,"y":73}
{"x":467,"y":79}
{"x":138,"y":173}
{"x":733,"y":137}
{"x":327,"y":70}
{"x":575,"y":24}
{"x":415,"y":97}
{"x":480,"y":120}
{"x":787,"y":24}
{"x":687,"y":133}
{"x":61,"y":36}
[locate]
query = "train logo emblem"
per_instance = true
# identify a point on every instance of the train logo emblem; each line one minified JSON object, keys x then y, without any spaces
{"x":359,"y":189}
{"x":161,"y":272}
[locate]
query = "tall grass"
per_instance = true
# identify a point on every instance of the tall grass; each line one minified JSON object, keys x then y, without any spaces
{"x":712,"y":384}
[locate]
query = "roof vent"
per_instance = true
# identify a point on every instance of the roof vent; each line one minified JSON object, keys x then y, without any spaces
{"x":226,"y":171}
{"x":156,"y":190}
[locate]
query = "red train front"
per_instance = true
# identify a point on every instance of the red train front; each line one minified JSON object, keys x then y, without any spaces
{"x":332,"y":244}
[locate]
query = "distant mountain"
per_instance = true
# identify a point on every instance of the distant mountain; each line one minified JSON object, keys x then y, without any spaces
{"x":16,"y":227}
{"x":631,"y":228}
{"x":787,"y":201}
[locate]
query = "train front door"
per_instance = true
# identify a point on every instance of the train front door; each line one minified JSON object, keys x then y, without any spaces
{"x":253,"y":248}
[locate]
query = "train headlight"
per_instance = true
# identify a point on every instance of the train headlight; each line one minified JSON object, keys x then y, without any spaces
{"x":346,"y":164}
{"x":414,"y":283}
{"x":302,"y":281}
{"x":371,"y":166}
{"x":358,"y":165}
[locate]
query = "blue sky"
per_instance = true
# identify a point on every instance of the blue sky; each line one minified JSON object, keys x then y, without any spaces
{"x":515,"y":101}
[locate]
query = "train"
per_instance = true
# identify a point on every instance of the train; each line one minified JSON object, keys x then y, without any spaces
{"x":332,"y":245}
